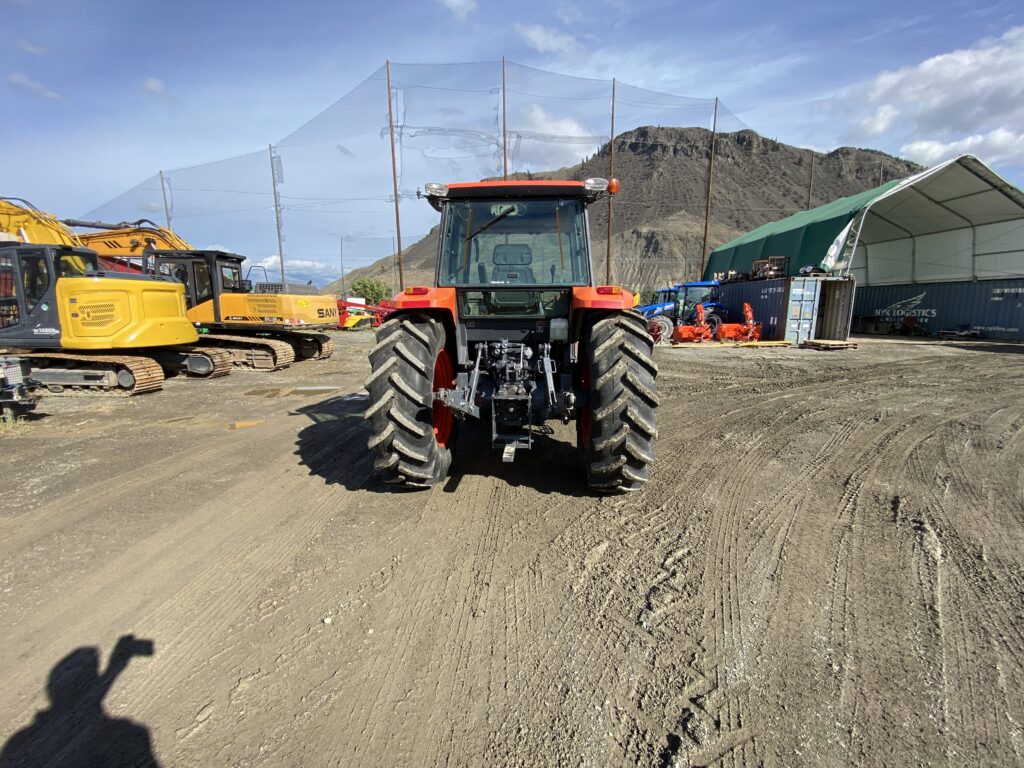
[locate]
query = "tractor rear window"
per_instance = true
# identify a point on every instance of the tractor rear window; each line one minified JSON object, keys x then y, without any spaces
{"x":514,"y":243}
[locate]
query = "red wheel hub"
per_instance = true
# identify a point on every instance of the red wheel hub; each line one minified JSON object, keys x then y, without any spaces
{"x":444,"y":378}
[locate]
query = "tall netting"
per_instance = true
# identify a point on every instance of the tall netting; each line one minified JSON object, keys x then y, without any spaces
{"x":452,"y":122}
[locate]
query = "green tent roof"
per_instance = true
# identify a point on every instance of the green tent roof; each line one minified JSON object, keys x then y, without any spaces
{"x":804,"y":237}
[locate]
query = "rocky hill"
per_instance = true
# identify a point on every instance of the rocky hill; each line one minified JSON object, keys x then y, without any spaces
{"x":659,"y":215}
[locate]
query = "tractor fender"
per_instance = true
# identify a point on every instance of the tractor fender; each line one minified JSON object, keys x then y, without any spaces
{"x":436,"y":302}
{"x":587,"y":297}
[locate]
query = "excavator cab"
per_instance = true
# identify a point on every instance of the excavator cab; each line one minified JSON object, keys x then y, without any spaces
{"x":56,"y":296}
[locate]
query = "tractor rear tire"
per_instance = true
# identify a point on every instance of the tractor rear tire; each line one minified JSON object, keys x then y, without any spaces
{"x":616,"y":429}
{"x":412,"y":436}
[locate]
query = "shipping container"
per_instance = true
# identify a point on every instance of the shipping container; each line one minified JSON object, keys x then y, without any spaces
{"x":987,"y":309}
{"x":794,"y":309}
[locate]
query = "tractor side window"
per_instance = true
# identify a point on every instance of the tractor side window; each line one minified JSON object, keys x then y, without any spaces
{"x":8,"y":296}
{"x":204,"y":287}
{"x":35,"y":278}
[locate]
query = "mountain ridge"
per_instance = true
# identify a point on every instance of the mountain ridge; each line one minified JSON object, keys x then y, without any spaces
{"x":658,"y":222}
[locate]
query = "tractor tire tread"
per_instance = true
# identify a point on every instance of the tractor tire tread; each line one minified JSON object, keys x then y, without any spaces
{"x":400,"y":389}
{"x":623,"y":399}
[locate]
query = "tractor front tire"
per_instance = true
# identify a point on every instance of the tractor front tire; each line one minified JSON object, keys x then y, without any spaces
{"x":712,"y":322}
{"x":412,"y":436}
{"x":616,"y":429}
{"x":665,"y":329}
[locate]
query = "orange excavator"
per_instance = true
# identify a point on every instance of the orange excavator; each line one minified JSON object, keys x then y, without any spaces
{"x":267,"y":328}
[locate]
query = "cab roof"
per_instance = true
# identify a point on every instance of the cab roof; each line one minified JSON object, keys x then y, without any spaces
{"x":518,"y":188}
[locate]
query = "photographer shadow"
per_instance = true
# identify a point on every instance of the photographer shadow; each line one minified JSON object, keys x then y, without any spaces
{"x":76,"y":730}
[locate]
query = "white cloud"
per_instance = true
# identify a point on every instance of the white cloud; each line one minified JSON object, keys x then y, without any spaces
{"x":998,"y":145}
{"x":461,"y":8}
{"x":297,"y":270}
{"x":155,"y":87}
{"x":544,"y":39}
{"x":880,"y":122}
{"x":547,"y":142}
{"x":30,"y":47}
{"x":569,"y":14}
{"x":23,"y":82}
{"x":970,"y":99}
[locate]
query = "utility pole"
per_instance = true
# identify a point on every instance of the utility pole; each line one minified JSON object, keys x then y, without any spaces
{"x":163,"y":191}
{"x":504,"y":123}
{"x":711,"y":175}
{"x":277,"y":214}
{"x":394,"y":179}
{"x":341,"y":257}
{"x":611,"y":175}
{"x":810,"y":184}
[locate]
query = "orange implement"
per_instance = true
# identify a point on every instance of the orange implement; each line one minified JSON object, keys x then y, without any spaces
{"x":698,"y":332}
{"x":748,"y":330}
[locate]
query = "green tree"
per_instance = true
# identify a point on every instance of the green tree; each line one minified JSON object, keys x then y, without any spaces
{"x":370,"y":288}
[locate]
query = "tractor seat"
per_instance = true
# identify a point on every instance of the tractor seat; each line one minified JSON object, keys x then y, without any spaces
{"x":512,"y":264}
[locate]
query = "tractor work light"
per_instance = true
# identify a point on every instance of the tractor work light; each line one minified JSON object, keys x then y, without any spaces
{"x":433,"y":189}
{"x":596,"y":185}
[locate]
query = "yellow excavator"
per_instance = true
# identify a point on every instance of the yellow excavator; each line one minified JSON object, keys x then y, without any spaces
{"x":266,"y":328}
{"x":83,"y":328}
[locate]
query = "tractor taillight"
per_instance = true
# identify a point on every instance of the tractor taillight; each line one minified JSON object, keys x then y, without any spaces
{"x":417,"y":290}
{"x":609,"y":290}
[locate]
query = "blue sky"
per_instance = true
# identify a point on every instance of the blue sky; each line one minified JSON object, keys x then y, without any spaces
{"x":99,"y":96}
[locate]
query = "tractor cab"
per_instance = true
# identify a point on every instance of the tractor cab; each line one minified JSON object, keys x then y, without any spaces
{"x":689,"y":295}
{"x":513,"y":256}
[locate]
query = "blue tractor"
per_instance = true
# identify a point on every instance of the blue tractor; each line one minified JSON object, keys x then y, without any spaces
{"x":678,"y":305}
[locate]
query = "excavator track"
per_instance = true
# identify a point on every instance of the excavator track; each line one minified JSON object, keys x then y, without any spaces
{"x":309,"y":346}
{"x":326,"y":346}
{"x":106,"y":374}
{"x":221,"y":360}
{"x":259,"y":352}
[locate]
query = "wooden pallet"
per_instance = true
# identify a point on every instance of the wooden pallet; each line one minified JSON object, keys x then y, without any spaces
{"x":827,"y":344}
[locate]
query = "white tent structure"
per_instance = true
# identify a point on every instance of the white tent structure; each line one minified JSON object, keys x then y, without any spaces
{"x":956,"y":221}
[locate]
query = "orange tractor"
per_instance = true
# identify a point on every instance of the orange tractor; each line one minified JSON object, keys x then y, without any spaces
{"x":513,"y":332}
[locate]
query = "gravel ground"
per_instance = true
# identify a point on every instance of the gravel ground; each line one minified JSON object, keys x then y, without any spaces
{"x":826,"y":569}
